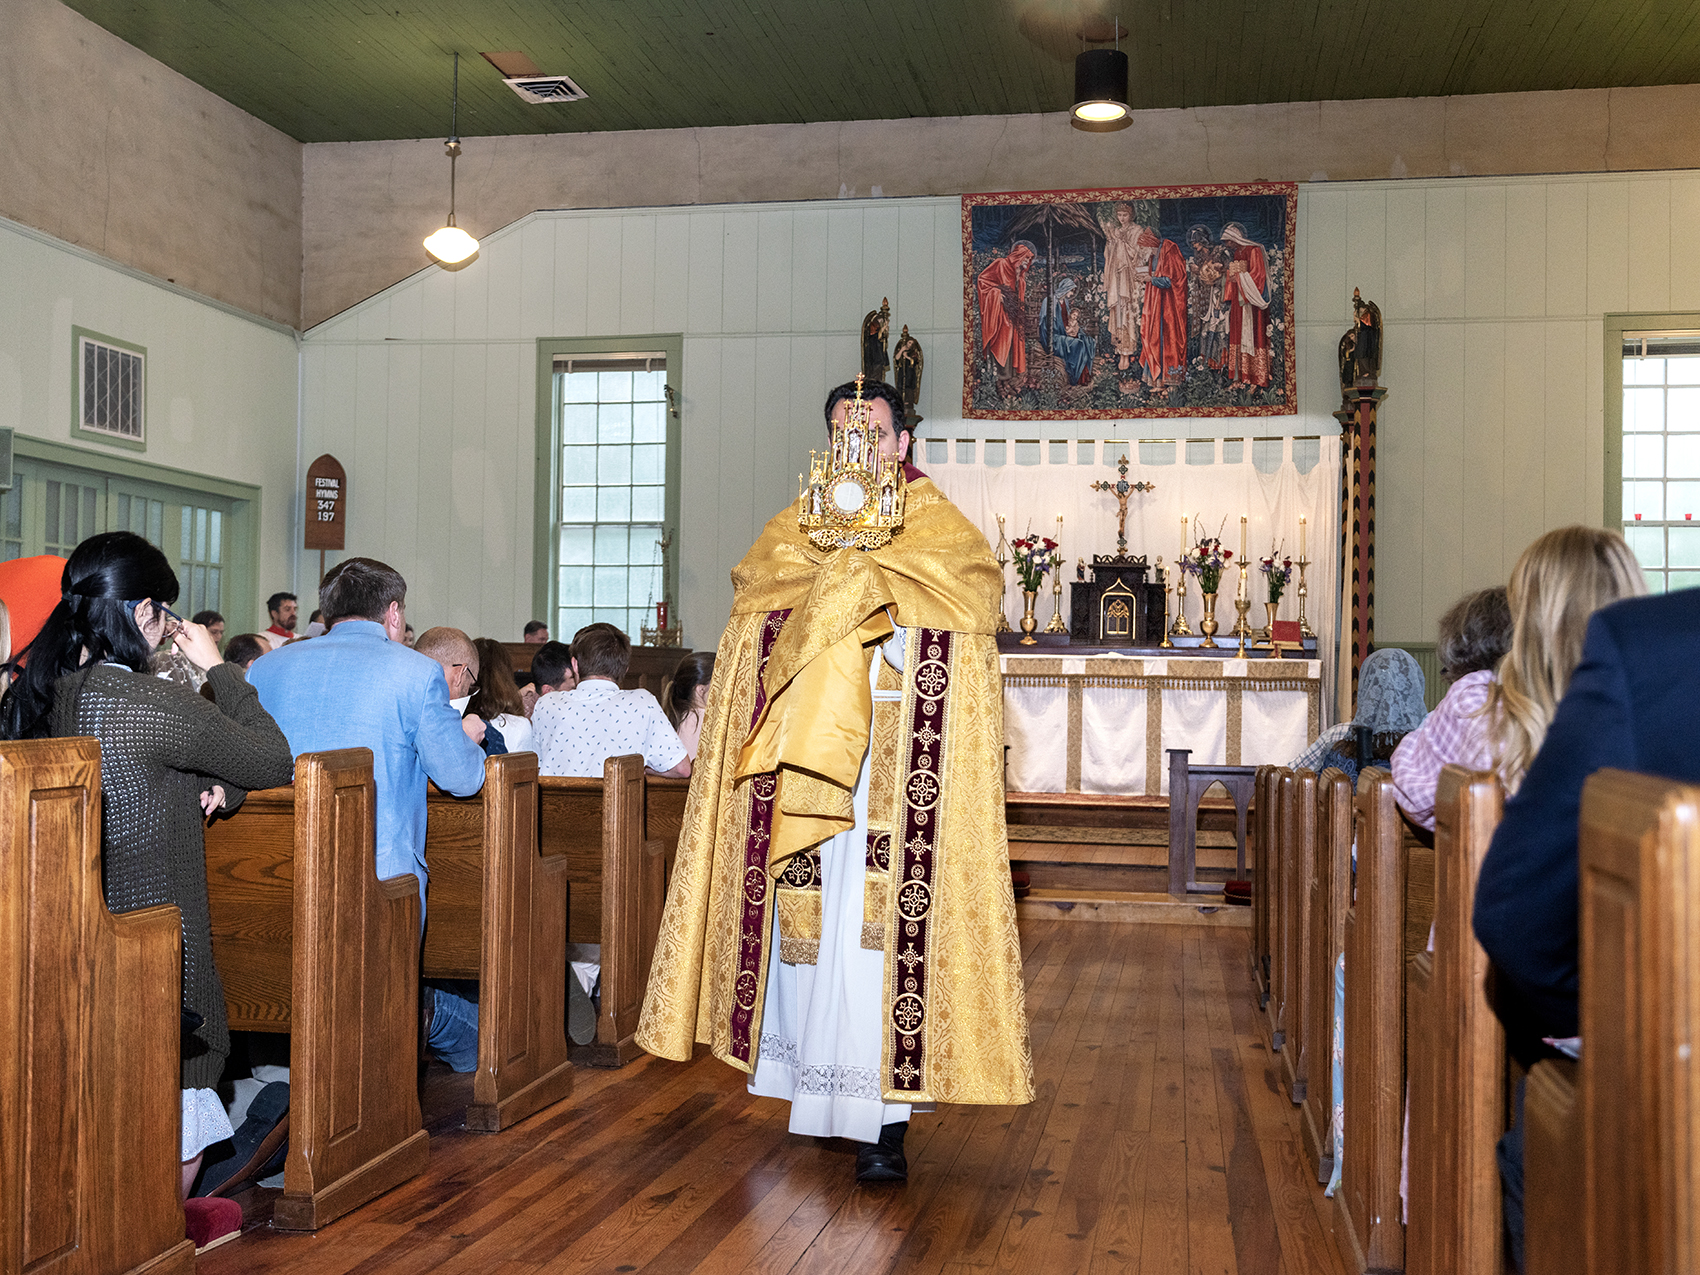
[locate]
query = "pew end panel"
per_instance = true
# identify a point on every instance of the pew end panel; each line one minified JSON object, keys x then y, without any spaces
{"x":499,"y":910}
{"x":1275,"y":1003}
{"x":1330,"y":886}
{"x":1367,"y":1226}
{"x":1640,"y":950}
{"x":91,"y":1069}
{"x":355,"y":1128}
{"x":1298,"y":854}
{"x":1262,"y":852}
{"x":1553,"y":1192}
{"x":1455,"y":1051}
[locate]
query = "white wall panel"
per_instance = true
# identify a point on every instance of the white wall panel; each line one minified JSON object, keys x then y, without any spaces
{"x":1492,"y":292}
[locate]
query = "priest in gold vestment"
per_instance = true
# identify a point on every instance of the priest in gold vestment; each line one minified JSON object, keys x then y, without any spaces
{"x":840,"y":923}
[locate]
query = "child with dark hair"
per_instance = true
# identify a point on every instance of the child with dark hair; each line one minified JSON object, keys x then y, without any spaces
{"x":685,"y":697}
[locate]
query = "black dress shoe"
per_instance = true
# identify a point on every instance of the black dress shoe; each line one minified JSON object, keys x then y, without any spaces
{"x":262,"y":1139}
{"x":875,"y":1163}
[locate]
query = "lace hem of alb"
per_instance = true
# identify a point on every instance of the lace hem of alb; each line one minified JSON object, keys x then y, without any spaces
{"x":827,"y":1080}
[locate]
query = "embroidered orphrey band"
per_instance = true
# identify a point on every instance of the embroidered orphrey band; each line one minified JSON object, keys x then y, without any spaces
{"x":914,"y":874}
{"x":752,"y":931}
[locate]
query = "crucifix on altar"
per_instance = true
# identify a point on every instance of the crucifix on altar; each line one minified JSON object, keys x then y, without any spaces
{"x":1121,"y":489}
{"x":1118,"y":606}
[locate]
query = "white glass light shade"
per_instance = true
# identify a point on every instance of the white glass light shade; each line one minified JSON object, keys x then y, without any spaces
{"x":450,"y":245}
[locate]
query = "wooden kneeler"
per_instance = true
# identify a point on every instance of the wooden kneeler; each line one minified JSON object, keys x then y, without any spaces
{"x":90,"y":1046}
{"x":617,"y":836}
{"x":1330,"y":892}
{"x":309,"y":941}
{"x":1456,"y":1052}
{"x":498,"y":914}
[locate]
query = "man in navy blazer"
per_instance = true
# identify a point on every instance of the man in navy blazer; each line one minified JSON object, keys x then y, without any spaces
{"x":1631,"y":704}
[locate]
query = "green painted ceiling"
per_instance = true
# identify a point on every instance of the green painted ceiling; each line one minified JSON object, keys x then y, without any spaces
{"x":356,"y":70}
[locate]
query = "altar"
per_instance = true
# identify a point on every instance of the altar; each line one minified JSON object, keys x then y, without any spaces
{"x":1114,"y":714}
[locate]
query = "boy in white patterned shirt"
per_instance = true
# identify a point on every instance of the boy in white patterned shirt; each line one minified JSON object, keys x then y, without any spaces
{"x":576,"y":731}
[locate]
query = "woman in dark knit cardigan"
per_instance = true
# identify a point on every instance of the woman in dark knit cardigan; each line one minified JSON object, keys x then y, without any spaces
{"x":167,"y":757}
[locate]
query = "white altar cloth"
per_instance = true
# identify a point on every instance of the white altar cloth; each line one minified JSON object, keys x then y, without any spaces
{"x":1101,"y":723}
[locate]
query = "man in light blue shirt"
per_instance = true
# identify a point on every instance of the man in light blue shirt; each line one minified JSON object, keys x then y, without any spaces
{"x":358,"y":686}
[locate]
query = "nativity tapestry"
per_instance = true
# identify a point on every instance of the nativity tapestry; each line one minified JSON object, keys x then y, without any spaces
{"x":1161,"y":301}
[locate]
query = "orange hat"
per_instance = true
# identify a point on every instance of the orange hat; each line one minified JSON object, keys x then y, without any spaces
{"x":30,"y":588}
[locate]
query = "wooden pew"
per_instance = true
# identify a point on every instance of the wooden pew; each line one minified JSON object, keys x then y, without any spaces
{"x":1386,"y":922}
{"x":617,"y":836}
{"x":498,"y":914}
{"x":1275,"y":1001}
{"x":1640,"y":1090}
{"x":1262,"y":877}
{"x":90,"y":1071}
{"x":1330,"y":892}
{"x":1298,"y":868}
{"x":1455,"y":1051}
{"x":309,"y":941}
{"x":1553,"y":1194}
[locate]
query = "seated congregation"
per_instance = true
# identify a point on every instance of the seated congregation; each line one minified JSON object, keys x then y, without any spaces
{"x":1467,"y":943}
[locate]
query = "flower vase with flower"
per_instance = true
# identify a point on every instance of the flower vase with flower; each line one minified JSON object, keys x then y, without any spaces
{"x":1034,"y":557}
{"x":1206,"y":560}
{"x":1276,"y":572}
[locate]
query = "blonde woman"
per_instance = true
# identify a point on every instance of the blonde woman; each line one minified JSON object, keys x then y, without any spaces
{"x":1577,"y":691}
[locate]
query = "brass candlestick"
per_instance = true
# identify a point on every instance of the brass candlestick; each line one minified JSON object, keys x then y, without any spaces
{"x":1163,"y":579}
{"x":1002,"y":556}
{"x":1180,"y":628}
{"x":1304,"y":624}
{"x":1242,"y":604}
{"x":1056,"y":625}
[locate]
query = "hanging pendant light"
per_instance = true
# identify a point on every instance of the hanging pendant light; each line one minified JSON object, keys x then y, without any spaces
{"x":451,"y":245}
{"x":1100,"y":91}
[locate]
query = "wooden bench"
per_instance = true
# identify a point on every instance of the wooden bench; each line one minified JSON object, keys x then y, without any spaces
{"x":1386,"y":922}
{"x":309,"y":941}
{"x":1298,"y":872}
{"x":1455,"y":1052}
{"x":90,"y":1071}
{"x":1640,"y":951}
{"x":617,"y":836}
{"x":498,"y":914}
{"x":1330,"y":893}
{"x":1263,"y":855}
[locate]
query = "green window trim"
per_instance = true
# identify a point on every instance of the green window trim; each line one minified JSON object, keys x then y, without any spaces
{"x":78,"y":336}
{"x":1615,"y":327}
{"x":546,"y":543}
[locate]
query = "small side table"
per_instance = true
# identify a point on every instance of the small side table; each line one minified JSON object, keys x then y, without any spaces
{"x":1187,"y":785}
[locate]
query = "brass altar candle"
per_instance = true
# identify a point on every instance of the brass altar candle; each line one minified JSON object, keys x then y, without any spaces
{"x":1056,"y":625}
{"x":1180,"y":628}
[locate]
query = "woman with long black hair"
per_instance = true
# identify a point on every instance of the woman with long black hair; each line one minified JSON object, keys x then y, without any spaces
{"x":168,"y":757}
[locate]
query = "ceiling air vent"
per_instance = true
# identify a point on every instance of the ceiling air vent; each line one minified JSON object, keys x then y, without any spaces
{"x":545,"y":90}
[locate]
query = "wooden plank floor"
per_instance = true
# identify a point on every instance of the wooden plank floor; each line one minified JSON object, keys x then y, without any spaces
{"x":1159,"y":1142}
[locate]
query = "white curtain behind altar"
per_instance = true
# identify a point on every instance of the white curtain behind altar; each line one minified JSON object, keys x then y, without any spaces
{"x":1272,"y":481}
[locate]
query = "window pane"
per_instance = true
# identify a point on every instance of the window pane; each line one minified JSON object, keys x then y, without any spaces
{"x":614,"y":504}
{"x":1643,"y":456}
{"x":575,"y":586}
{"x":578,"y":423}
{"x":1643,"y":410}
{"x":1683,"y":371}
{"x":578,"y":465}
{"x":649,"y":385}
{"x":611,"y":543}
{"x":156,"y":521}
{"x":613,"y":466}
{"x":610,"y":586}
{"x":198,"y":593}
{"x":649,"y":463}
{"x":1655,"y":581}
{"x":1681,"y":580}
{"x":1647,"y":543}
{"x":213,"y":593}
{"x":645,"y":586}
{"x":1682,"y":409}
{"x":1643,"y":371}
{"x":1643,"y":500}
{"x":613,"y":387}
{"x":50,"y":492}
{"x":578,"y":546}
{"x":215,"y":524}
{"x":1683,"y":460}
{"x":614,"y":422}
{"x":200,"y":535}
{"x":1685,"y":546}
{"x":649,"y":503}
{"x":578,"y":387}
{"x":649,"y":423}
{"x":578,"y":504}
{"x":1682,"y":500}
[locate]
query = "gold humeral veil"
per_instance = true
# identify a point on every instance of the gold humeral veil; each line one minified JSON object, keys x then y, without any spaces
{"x":788,"y":720}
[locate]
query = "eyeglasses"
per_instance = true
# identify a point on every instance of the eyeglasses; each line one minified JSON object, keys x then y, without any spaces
{"x":473,"y":684}
{"x":173,"y":621}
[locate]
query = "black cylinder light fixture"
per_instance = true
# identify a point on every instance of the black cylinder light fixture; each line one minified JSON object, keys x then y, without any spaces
{"x":1100,"y":91}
